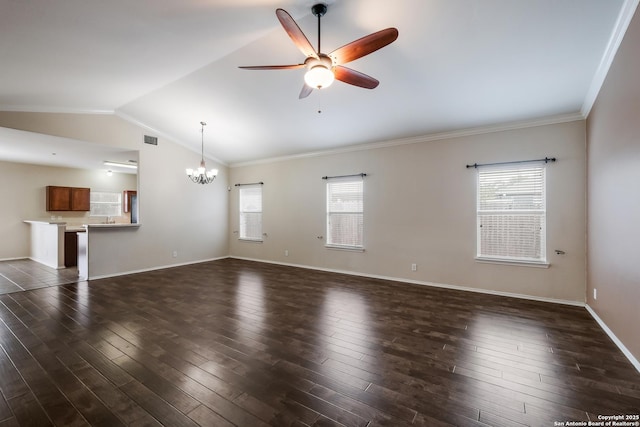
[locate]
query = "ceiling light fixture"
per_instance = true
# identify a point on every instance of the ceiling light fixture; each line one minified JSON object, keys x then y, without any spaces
{"x":320,"y":74}
{"x":121,"y":165}
{"x":201,"y":175}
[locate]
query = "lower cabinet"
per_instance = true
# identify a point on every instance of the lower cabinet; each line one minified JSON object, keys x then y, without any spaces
{"x":70,"y":248}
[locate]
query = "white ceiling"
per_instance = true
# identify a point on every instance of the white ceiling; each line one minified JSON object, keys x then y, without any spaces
{"x":169,"y":64}
{"x":29,"y":147}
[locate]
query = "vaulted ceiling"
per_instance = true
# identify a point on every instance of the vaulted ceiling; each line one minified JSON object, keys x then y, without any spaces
{"x":169,"y":64}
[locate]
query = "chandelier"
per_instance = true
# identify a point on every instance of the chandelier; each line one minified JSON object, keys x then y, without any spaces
{"x":201,"y":175}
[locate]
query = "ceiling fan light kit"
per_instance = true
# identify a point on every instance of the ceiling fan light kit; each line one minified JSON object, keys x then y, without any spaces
{"x":319,"y":75}
{"x":322,"y":69}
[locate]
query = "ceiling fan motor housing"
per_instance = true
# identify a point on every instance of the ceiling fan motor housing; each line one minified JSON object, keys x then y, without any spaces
{"x":321,"y":61}
{"x":319,"y":9}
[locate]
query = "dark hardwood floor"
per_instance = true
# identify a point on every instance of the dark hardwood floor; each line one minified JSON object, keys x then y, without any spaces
{"x":233,"y":342}
{"x":24,"y":274}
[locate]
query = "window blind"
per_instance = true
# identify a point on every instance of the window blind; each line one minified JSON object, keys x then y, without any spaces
{"x":512,"y":213}
{"x":251,"y":212}
{"x":345,"y":215}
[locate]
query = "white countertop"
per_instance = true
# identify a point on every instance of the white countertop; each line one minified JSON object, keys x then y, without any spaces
{"x":111,"y":225}
{"x":82,"y":227}
{"x":44,"y":221}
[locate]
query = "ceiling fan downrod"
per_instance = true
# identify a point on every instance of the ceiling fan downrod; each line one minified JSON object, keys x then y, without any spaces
{"x":319,"y":10}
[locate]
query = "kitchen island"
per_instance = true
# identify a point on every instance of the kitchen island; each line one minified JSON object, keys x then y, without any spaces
{"x":48,"y":243}
{"x":83,"y":245}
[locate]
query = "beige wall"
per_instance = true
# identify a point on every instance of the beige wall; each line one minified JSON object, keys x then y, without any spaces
{"x":24,"y":190}
{"x":613,"y":129}
{"x":420,"y":208}
{"x":176,"y":214}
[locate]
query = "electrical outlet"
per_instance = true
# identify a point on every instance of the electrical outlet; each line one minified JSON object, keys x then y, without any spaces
{"x":286,"y":252}
{"x":175,"y":254}
{"x":595,"y":293}
{"x":414,"y":267}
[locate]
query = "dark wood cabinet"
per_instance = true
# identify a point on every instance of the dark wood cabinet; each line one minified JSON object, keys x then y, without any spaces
{"x":126,"y":206}
{"x":80,"y":199}
{"x":70,"y":249}
{"x":68,"y":198}
{"x":58,"y":198}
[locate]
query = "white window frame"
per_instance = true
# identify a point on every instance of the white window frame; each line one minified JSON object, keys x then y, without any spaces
{"x":509,"y":213}
{"x":331,"y":185}
{"x":243,"y":211}
{"x":114,"y":207}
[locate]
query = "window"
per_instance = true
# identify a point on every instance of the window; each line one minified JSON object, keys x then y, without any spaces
{"x":103,"y":203}
{"x":345,"y":214}
{"x":251,"y":212}
{"x":512,"y":213}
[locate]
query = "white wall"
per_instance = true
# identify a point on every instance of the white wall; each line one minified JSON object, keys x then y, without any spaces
{"x":420,"y":208}
{"x":175,"y":214}
{"x":23,"y":191}
{"x":614,"y":199}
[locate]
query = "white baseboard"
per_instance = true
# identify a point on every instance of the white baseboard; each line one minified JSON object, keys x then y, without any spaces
{"x":13,"y":259}
{"x":418,"y":282}
{"x":600,"y":322}
{"x":162,"y":267}
{"x":54,"y":266}
{"x":615,"y":339}
{"x":606,"y":329}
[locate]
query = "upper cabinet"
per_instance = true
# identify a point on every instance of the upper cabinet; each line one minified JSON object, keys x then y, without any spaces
{"x":68,"y":199}
{"x":58,"y":198}
{"x":80,"y":199}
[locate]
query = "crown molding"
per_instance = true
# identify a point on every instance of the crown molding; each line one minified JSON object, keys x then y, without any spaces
{"x":563,"y":118}
{"x":620,"y":28}
{"x":164,"y":135}
{"x":49,"y":109}
{"x":117,"y":113}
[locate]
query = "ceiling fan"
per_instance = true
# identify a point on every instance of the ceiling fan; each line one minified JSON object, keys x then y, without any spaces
{"x":322,"y":68}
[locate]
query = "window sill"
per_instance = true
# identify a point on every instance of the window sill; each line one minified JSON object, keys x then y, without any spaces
{"x":520,"y":263}
{"x":250,"y":240}
{"x":344,"y":248}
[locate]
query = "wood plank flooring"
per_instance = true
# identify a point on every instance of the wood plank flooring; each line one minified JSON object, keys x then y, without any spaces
{"x":234,"y":342}
{"x":24,"y":274}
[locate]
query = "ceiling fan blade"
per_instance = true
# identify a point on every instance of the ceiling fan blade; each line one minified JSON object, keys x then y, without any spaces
{"x":364,"y":46}
{"x":353,"y":77}
{"x":306,"y":91}
{"x":295,"y":33}
{"x":272,"y":67}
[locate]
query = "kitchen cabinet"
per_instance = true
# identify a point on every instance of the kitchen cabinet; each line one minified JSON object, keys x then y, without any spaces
{"x":127,"y":194}
{"x":68,"y":198}
{"x":70,"y":248}
{"x":80,"y":199}
{"x":58,"y":198}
